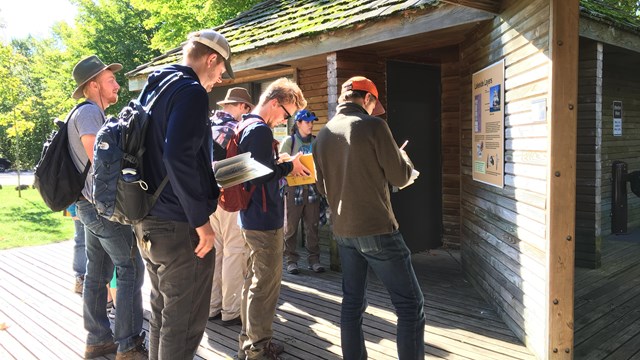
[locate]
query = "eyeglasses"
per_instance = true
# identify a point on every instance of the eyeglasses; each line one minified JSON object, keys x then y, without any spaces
{"x":286,"y":112}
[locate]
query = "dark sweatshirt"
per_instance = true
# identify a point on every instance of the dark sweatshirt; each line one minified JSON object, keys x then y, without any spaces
{"x":179,"y":145}
{"x":258,"y":139}
{"x":356,"y":159}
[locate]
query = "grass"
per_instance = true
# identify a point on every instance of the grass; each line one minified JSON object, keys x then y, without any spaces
{"x":27,"y":221}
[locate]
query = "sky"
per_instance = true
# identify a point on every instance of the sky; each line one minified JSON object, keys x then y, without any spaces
{"x":35,"y":17}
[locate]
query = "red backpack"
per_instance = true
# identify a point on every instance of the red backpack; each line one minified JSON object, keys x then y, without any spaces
{"x":237,"y":197}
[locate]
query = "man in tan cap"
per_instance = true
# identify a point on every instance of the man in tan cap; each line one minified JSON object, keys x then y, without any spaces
{"x":231,"y":255}
{"x":356,"y":159}
{"x":107,"y":243}
{"x":176,"y":238}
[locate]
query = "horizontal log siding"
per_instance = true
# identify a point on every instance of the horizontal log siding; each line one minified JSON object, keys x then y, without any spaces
{"x":312,"y":79}
{"x":503,"y":232}
{"x":589,"y":215}
{"x":620,"y":82}
{"x":450,"y":140}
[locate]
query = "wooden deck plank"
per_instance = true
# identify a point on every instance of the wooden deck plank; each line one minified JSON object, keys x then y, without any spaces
{"x":460,"y":325}
{"x":607,"y":308}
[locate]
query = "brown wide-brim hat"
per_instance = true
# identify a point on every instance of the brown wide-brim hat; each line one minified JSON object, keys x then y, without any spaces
{"x":88,"y":68}
{"x":237,"y":95}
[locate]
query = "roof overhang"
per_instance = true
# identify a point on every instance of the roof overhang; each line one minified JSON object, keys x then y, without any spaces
{"x":608,"y":34}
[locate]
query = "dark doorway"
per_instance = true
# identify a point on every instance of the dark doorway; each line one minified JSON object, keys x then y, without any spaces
{"x":413,"y":112}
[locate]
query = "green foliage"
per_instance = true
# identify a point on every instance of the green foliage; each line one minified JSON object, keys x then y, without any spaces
{"x":112,"y":29}
{"x":173,"y":20}
{"x":36,"y":82}
{"x":27,"y":221}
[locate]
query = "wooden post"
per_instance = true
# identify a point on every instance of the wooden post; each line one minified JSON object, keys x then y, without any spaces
{"x":561,"y":184}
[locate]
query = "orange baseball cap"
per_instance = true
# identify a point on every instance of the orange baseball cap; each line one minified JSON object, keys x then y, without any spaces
{"x":363,"y":84}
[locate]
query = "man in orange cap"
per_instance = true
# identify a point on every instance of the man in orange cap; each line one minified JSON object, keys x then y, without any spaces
{"x":356,"y":160}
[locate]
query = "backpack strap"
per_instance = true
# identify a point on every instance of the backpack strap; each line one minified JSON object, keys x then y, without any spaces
{"x":164,"y":84}
{"x":73,"y":111}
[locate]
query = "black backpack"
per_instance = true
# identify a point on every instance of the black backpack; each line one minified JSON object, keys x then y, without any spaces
{"x":56,"y":177}
{"x":119,"y":193}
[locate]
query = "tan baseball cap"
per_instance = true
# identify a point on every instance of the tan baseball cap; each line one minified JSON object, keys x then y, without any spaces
{"x":217,"y":42}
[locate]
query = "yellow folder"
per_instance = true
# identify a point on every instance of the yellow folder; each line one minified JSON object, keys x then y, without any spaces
{"x":307,"y":161}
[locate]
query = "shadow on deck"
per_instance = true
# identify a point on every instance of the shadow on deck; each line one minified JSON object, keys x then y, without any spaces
{"x":44,"y":316}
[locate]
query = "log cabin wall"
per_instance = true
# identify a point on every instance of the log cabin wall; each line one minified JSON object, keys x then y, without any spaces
{"x":621,"y":82}
{"x":450,"y":140}
{"x":312,"y":79}
{"x":589,"y":181}
{"x":503,"y":231}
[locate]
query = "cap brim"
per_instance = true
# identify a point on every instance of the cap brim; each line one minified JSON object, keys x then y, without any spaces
{"x":379,"y":109}
{"x":229,"y":72}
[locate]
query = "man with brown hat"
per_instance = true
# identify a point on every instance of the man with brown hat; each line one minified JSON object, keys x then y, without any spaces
{"x":231,"y":255}
{"x":356,"y":160}
{"x":107,"y":243}
{"x":176,"y":238}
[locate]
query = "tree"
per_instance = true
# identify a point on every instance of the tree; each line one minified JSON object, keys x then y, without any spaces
{"x":631,"y":7}
{"x":112,"y":30}
{"x":173,"y":20}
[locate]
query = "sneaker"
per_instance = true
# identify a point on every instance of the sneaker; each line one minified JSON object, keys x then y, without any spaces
{"x":293,"y":269}
{"x":232,"y":322}
{"x":112,"y":313}
{"x":94,"y":351}
{"x":316,"y":268}
{"x":79,"y":285}
{"x":139,"y":352}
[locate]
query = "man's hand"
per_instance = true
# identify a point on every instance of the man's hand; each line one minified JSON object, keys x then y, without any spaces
{"x":298,"y":168}
{"x":207,"y":237}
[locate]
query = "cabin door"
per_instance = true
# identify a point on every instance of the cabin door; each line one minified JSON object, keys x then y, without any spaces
{"x":413,"y":113}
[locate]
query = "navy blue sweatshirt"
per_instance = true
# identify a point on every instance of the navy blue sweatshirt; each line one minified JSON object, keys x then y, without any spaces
{"x":179,"y":145}
{"x":258,"y":139}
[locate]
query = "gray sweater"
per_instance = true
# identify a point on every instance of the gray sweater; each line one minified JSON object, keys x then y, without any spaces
{"x":356,"y":160}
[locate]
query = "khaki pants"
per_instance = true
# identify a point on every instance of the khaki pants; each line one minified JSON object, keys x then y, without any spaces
{"x":260,"y":291}
{"x":230,"y":265}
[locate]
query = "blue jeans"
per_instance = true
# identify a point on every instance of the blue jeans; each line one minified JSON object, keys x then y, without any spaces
{"x":390,"y":259}
{"x":79,"y":252}
{"x":111,"y":244}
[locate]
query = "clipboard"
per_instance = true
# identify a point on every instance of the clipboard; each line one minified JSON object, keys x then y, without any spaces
{"x":307,"y":161}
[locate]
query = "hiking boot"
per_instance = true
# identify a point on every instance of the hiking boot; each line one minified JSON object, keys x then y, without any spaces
{"x":139,"y":351}
{"x":316,"y":268}
{"x":232,"y":322}
{"x":79,"y":285}
{"x":93,"y":351}
{"x":293,"y":269}
{"x":271,"y":351}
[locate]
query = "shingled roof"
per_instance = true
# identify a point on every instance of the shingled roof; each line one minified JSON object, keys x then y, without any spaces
{"x":276,"y":21}
{"x":610,"y":15}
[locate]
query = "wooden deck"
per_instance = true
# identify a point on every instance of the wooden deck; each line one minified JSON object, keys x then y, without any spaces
{"x":45,"y":321}
{"x":607,"y":303}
